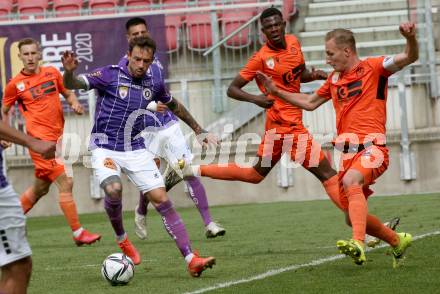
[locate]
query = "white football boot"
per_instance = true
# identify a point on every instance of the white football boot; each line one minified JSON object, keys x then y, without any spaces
{"x":213,"y":230}
{"x":140,"y":224}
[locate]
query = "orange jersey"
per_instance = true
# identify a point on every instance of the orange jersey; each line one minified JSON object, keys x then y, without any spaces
{"x":359,"y":98}
{"x":285,"y":66}
{"x":38,"y":96}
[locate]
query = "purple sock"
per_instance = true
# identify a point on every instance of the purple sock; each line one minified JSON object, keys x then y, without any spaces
{"x":197,"y":193}
{"x":174,"y":226}
{"x":143,"y":203}
{"x":113,"y":207}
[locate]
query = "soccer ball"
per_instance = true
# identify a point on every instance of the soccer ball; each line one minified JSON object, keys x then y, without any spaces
{"x":117,"y":269}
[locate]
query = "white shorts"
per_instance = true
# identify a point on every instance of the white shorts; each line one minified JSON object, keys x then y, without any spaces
{"x":138,"y":165}
{"x":13,"y":245}
{"x":168,"y":144}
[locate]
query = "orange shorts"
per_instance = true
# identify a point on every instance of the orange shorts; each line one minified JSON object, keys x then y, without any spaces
{"x":46,"y":169}
{"x":298,"y":142}
{"x":371,"y":162}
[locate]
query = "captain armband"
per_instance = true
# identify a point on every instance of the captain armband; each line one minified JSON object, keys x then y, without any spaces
{"x":389,"y":65}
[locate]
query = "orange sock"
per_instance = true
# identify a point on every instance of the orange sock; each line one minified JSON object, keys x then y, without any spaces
{"x":28,"y":199}
{"x":68,"y":207}
{"x":357,"y":210}
{"x":332,"y":188}
{"x":232,"y":172}
{"x":377,"y":229}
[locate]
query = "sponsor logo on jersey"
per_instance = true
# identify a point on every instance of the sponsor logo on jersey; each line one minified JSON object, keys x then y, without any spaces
{"x":350,"y":91}
{"x":293,"y":51}
{"x":360,"y":71}
{"x":95,"y":74}
{"x":123,"y":76}
{"x":293,"y":74}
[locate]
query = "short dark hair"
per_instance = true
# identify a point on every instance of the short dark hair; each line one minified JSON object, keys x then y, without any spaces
{"x":142,"y":42}
{"x":342,"y":37}
{"x":28,"y":41}
{"x":134,"y":22}
{"x":270,"y":12}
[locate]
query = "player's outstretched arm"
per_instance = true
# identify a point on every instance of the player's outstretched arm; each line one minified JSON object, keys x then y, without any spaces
{"x":304,"y":101}
{"x":70,"y":64}
{"x":45,"y":148}
{"x":181,"y":112}
{"x":411,"y":52}
{"x":235,"y":91}
{"x":73,"y":101}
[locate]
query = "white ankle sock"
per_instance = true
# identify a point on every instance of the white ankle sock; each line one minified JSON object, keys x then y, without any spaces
{"x":189,"y":257}
{"x":78,"y":232}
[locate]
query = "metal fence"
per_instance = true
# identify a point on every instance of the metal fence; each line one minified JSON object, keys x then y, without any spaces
{"x":200,"y":81}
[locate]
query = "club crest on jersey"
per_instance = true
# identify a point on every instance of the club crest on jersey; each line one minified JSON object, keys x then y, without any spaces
{"x":146,"y":93}
{"x":335,"y":77}
{"x":20,"y":86}
{"x":123,"y":91}
{"x":270,"y":63}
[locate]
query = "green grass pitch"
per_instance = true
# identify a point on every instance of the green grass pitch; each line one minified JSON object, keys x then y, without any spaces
{"x":259,"y":238}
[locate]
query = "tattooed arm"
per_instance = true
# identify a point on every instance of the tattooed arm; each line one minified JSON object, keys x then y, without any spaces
{"x":70,"y":80}
{"x":181,"y":112}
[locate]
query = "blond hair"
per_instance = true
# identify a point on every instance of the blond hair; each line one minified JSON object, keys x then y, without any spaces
{"x":342,"y":37}
{"x":28,"y":41}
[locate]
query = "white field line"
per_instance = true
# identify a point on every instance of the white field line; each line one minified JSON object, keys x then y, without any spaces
{"x":274,"y":272}
{"x":80,"y":266}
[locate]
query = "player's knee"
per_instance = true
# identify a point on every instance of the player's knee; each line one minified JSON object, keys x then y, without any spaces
{"x":20,"y":270}
{"x":40,"y":192}
{"x":68,"y":184}
{"x":348,"y":181}
{"x":113,"y":193}
{"x":112,"y":187}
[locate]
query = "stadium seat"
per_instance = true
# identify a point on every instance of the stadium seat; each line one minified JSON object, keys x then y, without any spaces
{"x":173,"y":26}
{"x":5,"y":9}
{"x":103,"y":6}
{"x":36,"y":8}
{"x":232,"y":21}
{"x":198,"y":30}
{"x":63,"y":8}
{"x":202,"y":2}
{"x":289,"y":9}
{"x":172,"y":4}
{"x":137,"y":5}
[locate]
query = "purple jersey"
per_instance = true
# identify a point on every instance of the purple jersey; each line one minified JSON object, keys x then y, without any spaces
{"x":121,"y":106}
{"x":161,"y":119}
{"x":3,"y":180}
